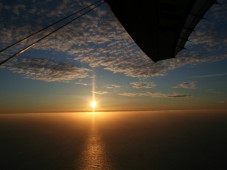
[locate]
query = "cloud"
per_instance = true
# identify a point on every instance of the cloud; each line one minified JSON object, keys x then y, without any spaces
{"x":99,"y":40}
{"x":219,"y":11}
{"x":187,"y":85}
{"x":129,"y":94}
{"x":140,"y":85}
{"x":156,"y":95}
{"x":210,"y":35}
{"x":82,"y":84}
{"x":112,"y":86}
{"x":179,"y":95}
{"x":101,"y":92}
{"x":48,"y":70}
{"x":131,"y":66}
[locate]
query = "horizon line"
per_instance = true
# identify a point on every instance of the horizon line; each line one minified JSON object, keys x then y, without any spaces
{"x":161,"y":110}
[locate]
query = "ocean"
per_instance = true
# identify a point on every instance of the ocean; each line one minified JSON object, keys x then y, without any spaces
{"x":140,"y":140}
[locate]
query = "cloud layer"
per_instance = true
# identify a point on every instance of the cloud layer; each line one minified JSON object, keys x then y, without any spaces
{"x":48,"y":70}
{"x":98,"y":40}
{"x":155,"y":95}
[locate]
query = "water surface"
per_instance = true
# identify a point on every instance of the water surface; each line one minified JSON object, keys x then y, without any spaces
{"x":113,"y":140}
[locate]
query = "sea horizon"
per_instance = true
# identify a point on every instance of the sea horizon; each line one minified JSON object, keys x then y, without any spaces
{"x":117,"y":111}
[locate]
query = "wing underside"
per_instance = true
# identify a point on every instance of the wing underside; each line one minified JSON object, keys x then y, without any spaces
{"x":162,"y":27}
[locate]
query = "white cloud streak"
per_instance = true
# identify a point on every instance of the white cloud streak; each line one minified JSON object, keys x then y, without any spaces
{"x":155,"y":95}
{"x":112,"y":86}
{"x":101,"y":92}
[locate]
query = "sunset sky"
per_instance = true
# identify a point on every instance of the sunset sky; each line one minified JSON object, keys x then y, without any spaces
{"x":59,"y":73}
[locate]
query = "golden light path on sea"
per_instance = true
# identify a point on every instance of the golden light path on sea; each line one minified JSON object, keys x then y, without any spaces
{"x":93,"y":156}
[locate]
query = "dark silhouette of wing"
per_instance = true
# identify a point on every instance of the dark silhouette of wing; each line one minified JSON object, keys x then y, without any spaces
{"x":160,"y":27}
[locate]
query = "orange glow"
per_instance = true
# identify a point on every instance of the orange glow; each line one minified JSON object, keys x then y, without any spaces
{"x":93,"y":104}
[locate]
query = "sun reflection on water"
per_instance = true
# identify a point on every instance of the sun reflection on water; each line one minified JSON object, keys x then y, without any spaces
{"x":94,"y":156}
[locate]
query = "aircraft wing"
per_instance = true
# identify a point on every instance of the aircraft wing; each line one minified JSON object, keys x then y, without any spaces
{"x":162,"y":27}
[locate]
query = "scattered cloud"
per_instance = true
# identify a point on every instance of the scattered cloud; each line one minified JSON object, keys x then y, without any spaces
{"x":99,"y":40}
{"x":219,"y":11}
{"x":112,"y":86}
{"x":101,"y":92}
{"x":133,"y":67}
{"x":48,"y":70}
{"x":187,"y":85}
{"x":156,"y":95}
{"x":128,"y":94}
{"x":210,"y":35}
{"x":140,"y":85}
{"x":179,"y":95}
{"x":82,"y":84}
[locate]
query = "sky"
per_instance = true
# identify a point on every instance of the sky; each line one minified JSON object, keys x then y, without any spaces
{"x":95,"y":55}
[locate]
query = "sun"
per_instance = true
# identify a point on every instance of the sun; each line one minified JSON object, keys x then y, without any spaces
{"x":93,"y":104}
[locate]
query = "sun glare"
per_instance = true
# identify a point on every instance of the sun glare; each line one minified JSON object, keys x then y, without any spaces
{"x":93,"y":104}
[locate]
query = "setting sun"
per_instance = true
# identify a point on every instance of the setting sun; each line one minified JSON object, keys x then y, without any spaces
{"x":93,"y":104}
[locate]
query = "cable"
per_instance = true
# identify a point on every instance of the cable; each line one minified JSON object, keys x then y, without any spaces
{"x":34,"y":43}
{"x":48,"y":26}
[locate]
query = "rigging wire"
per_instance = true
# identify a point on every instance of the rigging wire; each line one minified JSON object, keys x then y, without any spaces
{"x":48,"y":26}
{"x":95,"y":4}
